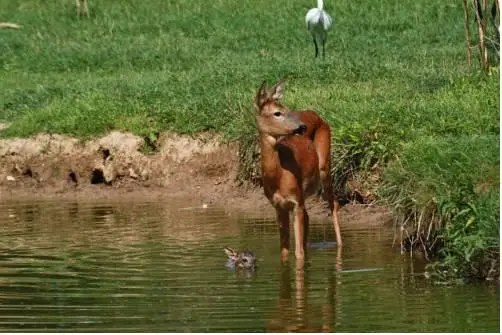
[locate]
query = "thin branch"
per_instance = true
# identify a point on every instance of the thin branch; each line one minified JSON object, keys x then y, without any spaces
{"x":467,"y":33}
{"x":483,"y":53}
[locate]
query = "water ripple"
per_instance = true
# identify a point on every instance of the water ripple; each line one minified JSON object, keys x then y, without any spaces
{"x":153,"y":267}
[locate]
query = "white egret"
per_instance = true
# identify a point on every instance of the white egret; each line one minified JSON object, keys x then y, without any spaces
{"x":318,"y":23}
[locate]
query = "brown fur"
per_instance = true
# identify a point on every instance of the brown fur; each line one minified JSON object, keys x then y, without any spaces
{"x":294,"y":166}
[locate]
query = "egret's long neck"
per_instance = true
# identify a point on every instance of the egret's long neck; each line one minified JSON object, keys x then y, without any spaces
{"x":320,"y":4}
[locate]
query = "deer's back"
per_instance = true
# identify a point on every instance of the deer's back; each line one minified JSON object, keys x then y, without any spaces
{"x":313,"y":122}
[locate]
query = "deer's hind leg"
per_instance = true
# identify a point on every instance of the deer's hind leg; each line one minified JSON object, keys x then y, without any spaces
{"x":333,"y":204}
{"x":322,"y":143}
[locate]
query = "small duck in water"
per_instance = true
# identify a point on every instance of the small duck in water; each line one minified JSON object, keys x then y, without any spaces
{"x":245,"y":260}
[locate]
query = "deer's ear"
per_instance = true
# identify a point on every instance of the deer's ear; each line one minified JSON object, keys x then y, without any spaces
{"x":261,"y":95}
{"x":277,"y":92}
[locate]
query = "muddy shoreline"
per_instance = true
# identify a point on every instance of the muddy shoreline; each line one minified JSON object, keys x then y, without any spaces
{"x":115,"y":168}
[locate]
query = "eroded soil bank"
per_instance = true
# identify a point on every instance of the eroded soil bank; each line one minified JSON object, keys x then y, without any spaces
{"x":116,"y":167}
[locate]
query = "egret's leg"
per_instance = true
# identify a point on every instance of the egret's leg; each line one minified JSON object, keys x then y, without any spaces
{"x":315,"y":45}
{"x":323,"y":42}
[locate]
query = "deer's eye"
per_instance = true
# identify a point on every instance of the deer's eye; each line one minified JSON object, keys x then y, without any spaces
{"x":277,"y":114}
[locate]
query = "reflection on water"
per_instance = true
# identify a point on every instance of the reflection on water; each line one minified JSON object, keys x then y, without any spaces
{"x":154,"y":267}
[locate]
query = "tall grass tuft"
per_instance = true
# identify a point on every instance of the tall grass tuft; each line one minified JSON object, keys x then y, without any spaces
{"x":446,"y":194}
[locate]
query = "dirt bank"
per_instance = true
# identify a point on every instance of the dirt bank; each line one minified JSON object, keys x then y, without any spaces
{"x":122,"y":166}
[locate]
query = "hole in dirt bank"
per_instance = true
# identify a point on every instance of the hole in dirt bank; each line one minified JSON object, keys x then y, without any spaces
{"x":73,"y":177}
{"x":150,"y":143}
{"x":106,"y":153}
{"x":97,"y":177}
{"x":27,"y":172}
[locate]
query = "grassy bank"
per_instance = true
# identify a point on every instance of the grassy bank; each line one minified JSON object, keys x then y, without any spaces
{"x":395,"y":87}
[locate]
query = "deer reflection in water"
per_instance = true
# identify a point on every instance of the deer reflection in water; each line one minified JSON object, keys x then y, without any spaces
{"x":294,"y":313}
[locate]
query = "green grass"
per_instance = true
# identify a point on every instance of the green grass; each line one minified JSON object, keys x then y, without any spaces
{"x":447,"y":188}
{"x":394,"y":85}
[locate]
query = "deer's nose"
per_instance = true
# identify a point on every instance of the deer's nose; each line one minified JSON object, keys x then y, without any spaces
{"x":300,"y":130}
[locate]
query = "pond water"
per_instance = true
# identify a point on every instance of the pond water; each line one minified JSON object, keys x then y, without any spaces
{"x":146,"y":267}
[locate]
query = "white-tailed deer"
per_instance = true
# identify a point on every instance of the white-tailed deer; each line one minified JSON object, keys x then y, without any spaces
{"x":82,"y":8}
{"x":295,"y":161}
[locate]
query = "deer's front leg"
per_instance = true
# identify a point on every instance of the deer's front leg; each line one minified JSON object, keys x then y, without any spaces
{"x":299,"y":226}
{"x":283,"y":221}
